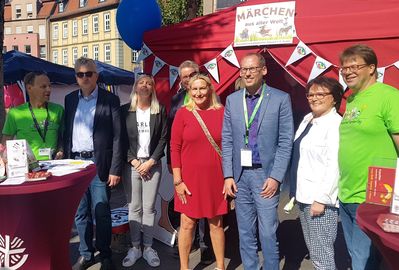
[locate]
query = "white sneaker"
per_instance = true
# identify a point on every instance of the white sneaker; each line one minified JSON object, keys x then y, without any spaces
{"x":132,"y":256}
{"x":151,"y":256}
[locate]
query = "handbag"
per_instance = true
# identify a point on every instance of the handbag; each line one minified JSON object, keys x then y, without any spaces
{"x":231,"y":203}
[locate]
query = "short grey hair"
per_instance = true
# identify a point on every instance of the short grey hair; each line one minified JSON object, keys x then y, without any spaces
{"x":189,"y":64}
{"x":85,"y":61}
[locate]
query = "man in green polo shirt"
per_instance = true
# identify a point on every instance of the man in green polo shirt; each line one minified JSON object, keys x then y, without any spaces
{"x":369,"y":131}
{"x":38,"y":121}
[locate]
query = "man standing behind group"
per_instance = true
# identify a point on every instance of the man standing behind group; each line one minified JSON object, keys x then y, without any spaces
{"x":256,"y":145}
{"x":186,"y":70}
{"x":38,"y":121}
{"x":92,"y":131}
{"x":369,"y":131}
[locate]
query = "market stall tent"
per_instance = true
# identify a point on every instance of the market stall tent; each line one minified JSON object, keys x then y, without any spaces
{"x":18,"y":64}
{"x":326,"y":27}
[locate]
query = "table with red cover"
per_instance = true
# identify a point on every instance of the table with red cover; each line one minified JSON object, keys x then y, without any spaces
{"x":36,"y":219}
{"x":387,"y":243}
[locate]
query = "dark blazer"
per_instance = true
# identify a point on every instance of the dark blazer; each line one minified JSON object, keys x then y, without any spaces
{"x":158,"y":133}
{"x":106,"y":132}
{"x":176,"y":103}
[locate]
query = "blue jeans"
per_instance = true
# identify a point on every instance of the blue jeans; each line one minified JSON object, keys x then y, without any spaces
{"x":95,"y":201}
{"x":254,"y":212}
{"x":364,"y":255}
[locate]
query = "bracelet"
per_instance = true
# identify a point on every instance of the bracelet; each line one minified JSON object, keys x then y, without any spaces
{"x":178,"y":182}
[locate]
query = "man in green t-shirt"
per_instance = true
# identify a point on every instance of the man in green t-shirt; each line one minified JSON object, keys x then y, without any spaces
{"x":38,"y":121}
{"x":369,"y":132}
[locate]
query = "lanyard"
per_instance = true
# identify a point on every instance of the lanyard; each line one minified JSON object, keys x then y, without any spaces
{"x":248,"y":124}
{"x":186,"y":98}
{"x":42,"y":135}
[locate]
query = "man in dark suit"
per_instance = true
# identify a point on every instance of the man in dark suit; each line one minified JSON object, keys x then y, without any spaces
{"x":92,"y":131}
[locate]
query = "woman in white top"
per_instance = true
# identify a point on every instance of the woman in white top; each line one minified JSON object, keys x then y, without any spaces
{"x":314,"y":168}
{"x":145,"y":133}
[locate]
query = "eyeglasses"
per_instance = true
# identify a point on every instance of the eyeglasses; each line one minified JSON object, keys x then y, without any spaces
{"x":87,"y":74}
{"x":250,"y":69}
{"x":317,"y":95}
{"x":352,"y":68}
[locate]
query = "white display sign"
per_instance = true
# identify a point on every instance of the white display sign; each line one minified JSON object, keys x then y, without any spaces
{"x":265,"y":24}
{"x":17,"y":159}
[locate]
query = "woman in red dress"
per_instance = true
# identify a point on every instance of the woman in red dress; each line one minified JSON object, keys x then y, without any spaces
{"x":197,"y":168}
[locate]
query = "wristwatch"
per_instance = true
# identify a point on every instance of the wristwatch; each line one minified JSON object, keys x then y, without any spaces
{"x":178,"y":182}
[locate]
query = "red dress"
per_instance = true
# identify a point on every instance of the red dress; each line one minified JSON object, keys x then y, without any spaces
{"x":200,"y":164}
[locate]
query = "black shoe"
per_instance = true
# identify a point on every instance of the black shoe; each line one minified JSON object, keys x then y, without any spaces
{"x":83,"y":263}
{"x":106,"y":264}
{"x":207,"y":256}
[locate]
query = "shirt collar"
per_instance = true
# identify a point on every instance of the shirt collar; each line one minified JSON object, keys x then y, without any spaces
{"x":93,"y":94}
{"x":256,"y":95}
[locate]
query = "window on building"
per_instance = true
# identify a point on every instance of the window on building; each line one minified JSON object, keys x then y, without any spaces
{"x":82,"y":3}
{"x":43,"y":53}
{"x":61,"y":7}
{"x":18,"y":30}
{"x":107,"y":22}
{"x":65,"y":30}
{"x":85,"y":50}
{"x":55,"y":56}
{"x":4,"y":49}
{"x":18,"y":12}
{"x":28,"y":49}
{"x":7,"y":30}
{"x":95,"y":24}
{"x":107,"y":52}
{"x":42,"y":31}
{"x":15,"y":47}
{"x":55,"y":31}
{"x":95,"y":52}
{"x":84,"y":26}
{"x":74,"y":28}
{"x":29,"y":29}
{"x":29,"y":10}
{"x":135,"y":55}
{"x":74,"y":54}
{"x":65,"y":57}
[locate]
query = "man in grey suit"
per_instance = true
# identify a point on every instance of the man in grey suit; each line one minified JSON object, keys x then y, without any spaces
{"x":256,"y":141}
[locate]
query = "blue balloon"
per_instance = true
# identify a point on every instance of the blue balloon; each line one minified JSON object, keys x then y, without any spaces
{"x":134,"y":17}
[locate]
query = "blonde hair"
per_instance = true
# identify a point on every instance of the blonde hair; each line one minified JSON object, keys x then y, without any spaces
{"x":214,"y":104}
{"x":154,"y":107}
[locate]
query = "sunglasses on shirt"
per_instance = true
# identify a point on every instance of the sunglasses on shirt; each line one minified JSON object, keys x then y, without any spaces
{"x":87,"y":74}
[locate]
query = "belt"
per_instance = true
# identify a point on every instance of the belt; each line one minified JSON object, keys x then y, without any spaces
{"x":83,"y":154}
{"x":254,"y":166}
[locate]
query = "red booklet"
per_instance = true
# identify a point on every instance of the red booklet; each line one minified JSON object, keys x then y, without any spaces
{"x":380,"y":185}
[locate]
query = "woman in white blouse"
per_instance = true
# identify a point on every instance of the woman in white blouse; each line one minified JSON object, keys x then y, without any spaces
{"x":314,"y":168}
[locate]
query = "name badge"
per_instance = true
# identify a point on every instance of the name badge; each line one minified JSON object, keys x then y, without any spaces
{"x":246,"y":157}
{"x":45,"y":152}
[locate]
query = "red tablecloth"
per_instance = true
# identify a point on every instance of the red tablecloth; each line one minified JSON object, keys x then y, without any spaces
{"x":36,"y":220}
{"x":387,"y":243}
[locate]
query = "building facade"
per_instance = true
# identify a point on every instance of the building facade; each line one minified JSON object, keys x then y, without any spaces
{"x":211,"y":6}
{"x":26,"y":26}
{"x":88,"y":28}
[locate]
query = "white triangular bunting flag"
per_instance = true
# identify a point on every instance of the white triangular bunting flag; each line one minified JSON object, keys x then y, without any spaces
{"x":212,"y":67}
{"x":230,"y":56}
{"x":396,"y":64}
{"x":144,"y":53}
{"x":156,"y":67}
{"x":342,"y":82}
{"x":320,"y":65}
{"x":380,"y":74}
{"x":173,"y":73}
{"x":301,"y":50}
